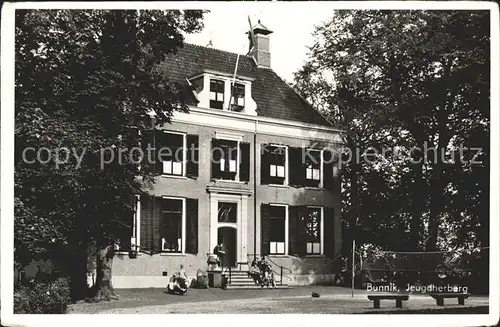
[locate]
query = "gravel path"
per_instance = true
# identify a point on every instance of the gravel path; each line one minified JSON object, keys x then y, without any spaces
{"x":297,"y":300}
{"x":337,"y":304}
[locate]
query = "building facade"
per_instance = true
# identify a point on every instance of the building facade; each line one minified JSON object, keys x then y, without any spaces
{"x":252,"y":164}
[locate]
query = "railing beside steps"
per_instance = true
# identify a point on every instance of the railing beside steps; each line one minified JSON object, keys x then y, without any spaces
{"x":281,"y":270}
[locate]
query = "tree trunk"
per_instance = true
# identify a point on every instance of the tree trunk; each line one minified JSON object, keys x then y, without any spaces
{"x":438,"y":181}
{"x":103,"y":287}
{"x":76,"y":267}
{"x":418,"y":207}
{"x":436,"y":205}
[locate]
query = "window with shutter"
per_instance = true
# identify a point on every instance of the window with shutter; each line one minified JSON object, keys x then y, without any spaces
{"x":216,"y":94}
{"x":277,"y":164}
{"x":313,"y":221}
{"x":225,"y":159}
{"x":274,"y":164}
{"x":313,"y":167}
{"x":126,"y":233}
{"x":171,"y":225}
{"x":238,"y":97}
{"x":171,"y":153}
{"x":277,"y":229}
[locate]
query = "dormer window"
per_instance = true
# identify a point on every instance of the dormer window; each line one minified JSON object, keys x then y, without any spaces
{"x":223,"y":91}
{"x":216,"y":94}
{"x":238,"y":97}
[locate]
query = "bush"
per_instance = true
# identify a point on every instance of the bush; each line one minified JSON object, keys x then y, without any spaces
{"x":42,"y":297}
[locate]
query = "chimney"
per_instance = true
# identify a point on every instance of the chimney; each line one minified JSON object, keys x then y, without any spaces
{"x":260,"y":52}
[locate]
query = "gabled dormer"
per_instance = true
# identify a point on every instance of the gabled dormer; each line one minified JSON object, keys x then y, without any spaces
{"x":219,"y":91}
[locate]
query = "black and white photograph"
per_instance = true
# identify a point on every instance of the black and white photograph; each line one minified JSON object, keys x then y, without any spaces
{"x":334,"y":162}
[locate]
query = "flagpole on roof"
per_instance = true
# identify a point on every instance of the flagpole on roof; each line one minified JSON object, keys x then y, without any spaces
{"x":252,"y":44}
{"x":234,"y":78}
{"x":252,"y":37}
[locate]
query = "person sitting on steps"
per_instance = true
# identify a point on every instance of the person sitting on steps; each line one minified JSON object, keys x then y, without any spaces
{"x":254,"y":272}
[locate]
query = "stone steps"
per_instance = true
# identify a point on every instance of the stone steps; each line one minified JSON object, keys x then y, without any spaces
{"x":241,"y":280}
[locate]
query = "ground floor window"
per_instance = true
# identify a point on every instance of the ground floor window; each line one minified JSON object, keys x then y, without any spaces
{"x":171,"y":225}
{"x":126,"y":239}
{"x":125,"y":233}
{"x":277,"y":226}
{"x":312,"y":220}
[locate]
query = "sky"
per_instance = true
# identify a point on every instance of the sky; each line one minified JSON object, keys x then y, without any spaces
{"x":292,"y":25}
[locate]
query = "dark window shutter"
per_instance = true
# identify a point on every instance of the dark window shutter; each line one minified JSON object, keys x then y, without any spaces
{"x":245,"y":162}
{"x":146,"y":223}
{"x":192,"y":226}
{"x":301,"y":231}
{"x":296,"y":231}
{"x":192,"y":160}
{"x":264,"y":164}
{"x":150,"y":224}
{"x":328,"y":169}
{"x":296,"y":167}
{"x":265,"y":225}
{"x":293,"y":215}
{"x":156,"y":224}
{"x":216,"y":156}
{"x":329,"y":232}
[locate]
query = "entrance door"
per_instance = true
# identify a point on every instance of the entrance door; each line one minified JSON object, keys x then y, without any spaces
{"x":227,"y":235}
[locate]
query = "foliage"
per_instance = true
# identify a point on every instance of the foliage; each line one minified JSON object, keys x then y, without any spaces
{"x":397,"y":80}
{"x":42,"y":297}
{"x":82,"y":78}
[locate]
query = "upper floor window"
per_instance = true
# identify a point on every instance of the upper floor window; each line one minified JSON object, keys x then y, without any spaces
{"x":172,"y":153}
{"x":216,"y":94}
{"x":274,"y":163}
{"x":238,"y":97}
{"x":225,"y":158}
{"x":313,"y":168}
{"x":230,"y":160}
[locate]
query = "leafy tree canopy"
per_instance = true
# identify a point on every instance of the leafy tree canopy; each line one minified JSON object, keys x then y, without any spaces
{"x":83,"y":78}
{"x":402,"y":79}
